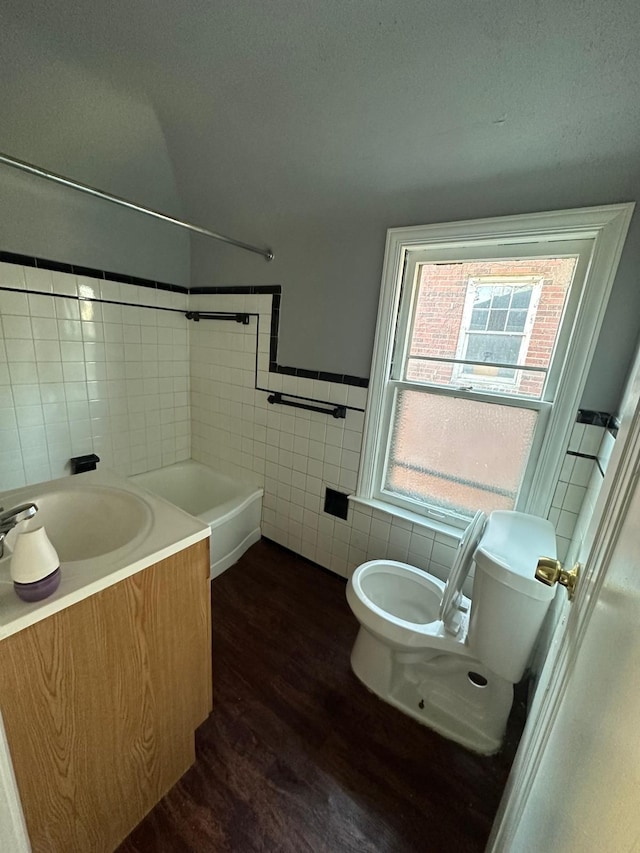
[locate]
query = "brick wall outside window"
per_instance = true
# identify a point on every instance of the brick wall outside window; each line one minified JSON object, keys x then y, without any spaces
{"x":439,"y":312}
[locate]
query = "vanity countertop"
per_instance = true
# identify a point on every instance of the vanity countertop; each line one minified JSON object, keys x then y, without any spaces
{"x":165,"y":531}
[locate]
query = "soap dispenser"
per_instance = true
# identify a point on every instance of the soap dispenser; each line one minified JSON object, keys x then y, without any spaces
{"x":35,"y":565}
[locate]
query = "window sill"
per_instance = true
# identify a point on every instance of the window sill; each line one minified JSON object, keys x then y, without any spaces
{"x":407,"y":515}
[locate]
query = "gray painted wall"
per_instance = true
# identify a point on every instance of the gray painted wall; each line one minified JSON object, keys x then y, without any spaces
{"x":60,"y":116}
{"x":330,"y":268}
{"x":313,"y":128}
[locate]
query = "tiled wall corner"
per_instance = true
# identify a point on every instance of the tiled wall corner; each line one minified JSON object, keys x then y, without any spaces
{"x":605,"y":450}
{"x":579,"y":468}
{"x":603,"y":453}
{"x":296,"y":454}
{"x":80,"y":373}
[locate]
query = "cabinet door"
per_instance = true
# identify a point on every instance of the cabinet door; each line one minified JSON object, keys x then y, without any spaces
{"x":100,"y":702}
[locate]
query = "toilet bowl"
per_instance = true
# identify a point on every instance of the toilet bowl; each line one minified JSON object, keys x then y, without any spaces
{"x":445,"y":659}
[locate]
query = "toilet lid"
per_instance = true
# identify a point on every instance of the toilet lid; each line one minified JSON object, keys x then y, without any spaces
{"x":452,"y":596}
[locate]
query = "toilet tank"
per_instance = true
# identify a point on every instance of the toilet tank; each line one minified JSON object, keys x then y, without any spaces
{"x":508,"y":603}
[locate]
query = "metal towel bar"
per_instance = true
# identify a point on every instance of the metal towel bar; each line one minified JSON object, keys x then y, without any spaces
{"x":212,"y":315}
{"x":336,"y":411}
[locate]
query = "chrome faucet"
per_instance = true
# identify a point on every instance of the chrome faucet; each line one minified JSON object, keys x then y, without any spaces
{"x":10,"y":517}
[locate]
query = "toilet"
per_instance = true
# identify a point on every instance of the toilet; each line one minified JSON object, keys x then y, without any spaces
{"x":447,"y":660}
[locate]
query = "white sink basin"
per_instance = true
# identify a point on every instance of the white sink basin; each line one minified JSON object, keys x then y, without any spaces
{"x":104,"y":528}
{"x":88,"y":521}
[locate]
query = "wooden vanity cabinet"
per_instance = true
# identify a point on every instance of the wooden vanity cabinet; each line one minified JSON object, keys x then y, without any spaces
{"x":100,"y":703}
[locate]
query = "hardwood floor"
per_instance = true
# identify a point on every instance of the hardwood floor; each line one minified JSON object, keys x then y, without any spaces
{"x":297,"y":755}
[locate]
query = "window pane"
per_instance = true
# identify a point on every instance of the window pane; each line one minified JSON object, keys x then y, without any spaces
{"x":521,"y":297}
{"x":479,"y":319}
{"x":456,"y":453}
{"x":502,"y":297}
{"x":483,"y":296}
{"x":497,"y":321}
{"x":454,"y":300}
{"x":483,"y":347}
{"x":516,"y":321}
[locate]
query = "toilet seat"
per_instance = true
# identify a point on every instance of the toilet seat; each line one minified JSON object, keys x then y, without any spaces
{"x":447,"y":629}
{"x":452,"y":599}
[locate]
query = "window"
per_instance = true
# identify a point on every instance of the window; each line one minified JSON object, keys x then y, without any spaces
{"x":485,"y":332}
{"x":496,"y":327}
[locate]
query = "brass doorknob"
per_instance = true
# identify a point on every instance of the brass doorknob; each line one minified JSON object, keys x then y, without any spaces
{"x":550,"y":571}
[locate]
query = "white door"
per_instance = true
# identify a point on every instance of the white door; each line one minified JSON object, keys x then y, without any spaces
{"x":575,"y":782}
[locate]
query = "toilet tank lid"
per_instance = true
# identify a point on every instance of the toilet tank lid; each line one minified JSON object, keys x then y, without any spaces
{"x":510,"y":548}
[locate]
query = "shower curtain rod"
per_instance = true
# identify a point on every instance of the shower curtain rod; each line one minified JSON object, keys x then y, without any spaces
{"x":123,"y":202}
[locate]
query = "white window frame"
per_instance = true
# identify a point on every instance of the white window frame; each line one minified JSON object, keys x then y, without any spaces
{"x":606,"y":227}
{"x":473,"y":283}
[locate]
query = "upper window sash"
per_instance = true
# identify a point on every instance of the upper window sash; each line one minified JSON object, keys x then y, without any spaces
{"x":415,"y":258}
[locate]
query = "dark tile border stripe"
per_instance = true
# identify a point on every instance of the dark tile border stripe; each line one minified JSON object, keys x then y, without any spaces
{"x":601,"y":419}
{"x":258,"y":288}
{"x":586,"y":456}
{"x":582,"y":455}
{"x":274,"y":289}
{"x":92,"y":299}
{"x":274,"y":367}
{"x":90,"y":272}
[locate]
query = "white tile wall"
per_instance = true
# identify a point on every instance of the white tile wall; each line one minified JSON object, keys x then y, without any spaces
{"x":579,"y":479}
{"x":82,"y":375}
{"x":591,"y":492}
{"x":606,"y":449}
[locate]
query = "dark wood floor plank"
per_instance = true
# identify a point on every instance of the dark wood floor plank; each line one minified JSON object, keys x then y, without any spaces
{"x":297,"y":755}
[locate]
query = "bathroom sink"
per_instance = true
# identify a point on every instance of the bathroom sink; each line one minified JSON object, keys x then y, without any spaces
{"x":104,"y":529}
{"x":88,"y":521}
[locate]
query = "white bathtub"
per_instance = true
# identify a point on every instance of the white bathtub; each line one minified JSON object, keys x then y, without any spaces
{"x":231,"y":509}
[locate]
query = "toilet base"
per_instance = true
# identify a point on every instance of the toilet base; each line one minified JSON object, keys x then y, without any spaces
{"x":455,"y":695}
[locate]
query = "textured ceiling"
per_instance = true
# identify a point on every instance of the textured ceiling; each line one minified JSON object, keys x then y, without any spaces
{"x":281,"y":101}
